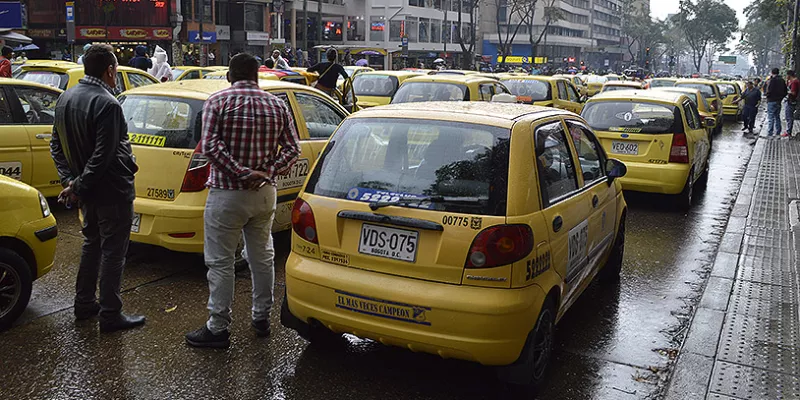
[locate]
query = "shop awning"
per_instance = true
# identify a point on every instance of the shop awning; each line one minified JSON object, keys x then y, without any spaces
{"x":7,"y":35}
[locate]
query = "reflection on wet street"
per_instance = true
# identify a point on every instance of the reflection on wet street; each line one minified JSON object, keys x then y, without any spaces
{"x":616,"y":342}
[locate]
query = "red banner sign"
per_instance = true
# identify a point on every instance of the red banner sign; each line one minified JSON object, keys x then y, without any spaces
{"x":128,"y":33}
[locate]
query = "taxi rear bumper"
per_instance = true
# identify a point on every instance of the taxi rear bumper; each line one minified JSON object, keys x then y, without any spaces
{"x":655,"y":178}
{"x":161,"y":218}
{"x":485,"y":325}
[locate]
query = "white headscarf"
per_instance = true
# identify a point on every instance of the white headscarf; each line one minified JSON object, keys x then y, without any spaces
{"x":161,"y":68}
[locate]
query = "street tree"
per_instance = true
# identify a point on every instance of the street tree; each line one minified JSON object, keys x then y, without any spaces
{"x":761,"y":39}
{"x":467,"y":44}
{"x":706,"y":24}
{"x":551,"y":13}
{"x":508,"y":25}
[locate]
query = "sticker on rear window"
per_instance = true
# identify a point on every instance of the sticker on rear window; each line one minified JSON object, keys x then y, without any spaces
{"x":372,"y":195}
{"x":382,"y":308}
{"x":624,"y":129}
{"x":147,"y":140}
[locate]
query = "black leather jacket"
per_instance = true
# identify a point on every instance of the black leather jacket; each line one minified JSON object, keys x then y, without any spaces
{"x":90,"y":145}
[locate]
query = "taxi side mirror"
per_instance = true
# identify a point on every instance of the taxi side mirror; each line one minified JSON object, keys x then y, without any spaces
{"x":710,"y":123}
{"x":583,"y":99}
{"x":615,"y":169}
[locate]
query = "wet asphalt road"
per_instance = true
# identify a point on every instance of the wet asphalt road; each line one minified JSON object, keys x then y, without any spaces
{"x":617,"y":342}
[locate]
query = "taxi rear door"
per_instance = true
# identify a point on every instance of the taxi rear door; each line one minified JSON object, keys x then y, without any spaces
{"x":697,"y":138}
{"x":15,"y":147}
{"x":566,"y":209}
{"x":565,"y":99}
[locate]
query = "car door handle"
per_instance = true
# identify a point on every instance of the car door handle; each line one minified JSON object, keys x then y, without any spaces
{"x":558,"y":222}
{"x":44,"y":135}
{"x":594,"y":201}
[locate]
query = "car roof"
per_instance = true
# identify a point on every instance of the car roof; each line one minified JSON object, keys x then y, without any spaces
{"x":502,"y":113}
{"x":200,"y":89}
{"x":393,"y":73}
{"x":696,"y":80}
{"x":450,"y":78}
{"x":543,"y":78}
{"x":20,"y":82}
{"x":623,"y":83}
{"x":643,"y":94}
{"x":664,"y":79}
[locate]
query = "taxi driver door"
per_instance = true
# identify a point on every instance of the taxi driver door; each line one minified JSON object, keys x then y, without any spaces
{"x":562,"y":98}
{"x":564,"y":204}
{"x":15,"y":148}
{"x":37,"y":109}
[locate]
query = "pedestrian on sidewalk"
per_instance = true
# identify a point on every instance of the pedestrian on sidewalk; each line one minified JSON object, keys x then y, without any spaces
{"x":776,"y":91}
{"x":142,"y":61}
{"x":249,"y":137}
{"x":793,"y":87}
{"x":93,"y":158}
{"x":5,"y":62}
{"x":751,"y":98}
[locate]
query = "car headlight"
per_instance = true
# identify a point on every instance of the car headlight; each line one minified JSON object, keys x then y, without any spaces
{"x":43,"y":204}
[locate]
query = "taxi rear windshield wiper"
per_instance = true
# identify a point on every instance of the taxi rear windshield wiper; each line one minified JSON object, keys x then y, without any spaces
{"x":431,"y":199}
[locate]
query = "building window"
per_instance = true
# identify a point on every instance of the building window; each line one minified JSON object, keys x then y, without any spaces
{"x":221,"y":16}
{"x":331,"y":31}
{"x":424,"y":25}
{"x":412,"y":29}
{"x":436,"y":31}
{"x":355,"y":29}
{"x":396,"y":30}
{"x":502,"y":11}
{"x":416,"y":3}
{"x":254,"y":17}
{"x":376,"y":28}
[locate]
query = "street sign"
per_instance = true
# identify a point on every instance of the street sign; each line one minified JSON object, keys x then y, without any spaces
{"x":10,"y":15}
{"x":404,"y":45}
{"x":605,"y":62}
{"x":727,"y":59}
{"x":540,"y":60}
{"x":70,"y":12}
{"x":70,"y":22}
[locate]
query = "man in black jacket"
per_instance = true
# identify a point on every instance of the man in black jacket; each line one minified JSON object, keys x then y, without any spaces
{"x":776,"y":91}
{"x":94,"y":161}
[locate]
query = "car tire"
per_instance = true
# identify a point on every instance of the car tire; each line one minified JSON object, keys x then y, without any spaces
{"x":702,"y":181}
{"x":16,"y":280}
{"x":314,"y":334}
{"x":526,"y":375}
{"x":613,"y":268}
{"x":685,"y":197}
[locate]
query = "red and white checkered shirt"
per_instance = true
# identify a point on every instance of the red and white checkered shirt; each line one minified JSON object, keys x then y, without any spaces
{"x":242,"y":128}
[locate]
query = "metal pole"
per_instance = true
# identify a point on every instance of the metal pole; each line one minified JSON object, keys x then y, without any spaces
{"x":305,"y":25}
{"x":447,"y":31}
{"x":794,"y":35}
{"x":202,"y":47}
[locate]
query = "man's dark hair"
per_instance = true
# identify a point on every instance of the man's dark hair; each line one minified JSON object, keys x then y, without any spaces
{"x":97,"y":59}
{"x":775,"y":71}
{"x":269,"y":63}
{"x":7,"y":51}
{"x":332,"y":54}
{"x":790,"y":72}
{"x":243,"y":67}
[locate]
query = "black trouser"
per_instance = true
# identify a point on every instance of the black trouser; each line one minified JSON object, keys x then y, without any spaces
{"x":106,"y":231}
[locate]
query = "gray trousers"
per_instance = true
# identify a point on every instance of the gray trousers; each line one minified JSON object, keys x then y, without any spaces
{"x":106,"y":231}
{"x":230,"y":214}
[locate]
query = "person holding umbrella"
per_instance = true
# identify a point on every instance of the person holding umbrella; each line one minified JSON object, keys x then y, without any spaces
{"x":362,"y":63}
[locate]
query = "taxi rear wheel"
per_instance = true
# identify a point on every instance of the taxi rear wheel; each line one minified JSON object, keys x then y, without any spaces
{"x":613,"y":267}
{"x":684,"y":198}
{"x":527,"y":374}
{"x":16,"y":283}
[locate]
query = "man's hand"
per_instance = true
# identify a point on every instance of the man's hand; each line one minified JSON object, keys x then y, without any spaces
{"x":68,"y":197}
{"x":255,"y":179}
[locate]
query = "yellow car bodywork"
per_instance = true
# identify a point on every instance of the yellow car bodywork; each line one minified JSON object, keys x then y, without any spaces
{"x":571,"y":99}
{"x":621,"y":85}
{"x":702,"y":104}
{"x":650,"y":169}
{"x":714,"y":101}
{"x":577,"y":82}
{"x":472,"y":84}
{"x":66,"y":75}
{"x":730,"y":92}
{"x":366,"y":101}
{"x":174,"y":220}
{"x":434,"y":304}
{"x":188,"y":73}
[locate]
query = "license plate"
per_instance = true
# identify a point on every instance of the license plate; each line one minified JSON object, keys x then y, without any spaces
{"x":380,"y":241}
{"x":625,"y":147}
{"x":137,"y":220}
{"x":295,"y":176}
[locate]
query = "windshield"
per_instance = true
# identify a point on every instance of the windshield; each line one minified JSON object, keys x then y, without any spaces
{"x":49,"y":78}
{"x":529,"y":90}
{"x":612,"y":88}
{"x":162,"y":121}
{"x":727,"y":89}
{"x":632,"y":117}
{"x":596,"y":79}
{"x":704,"y":88}
{"x":411,"y":92}
{"x":375,"y":85}
{"x":389,"y":159}
{"x":661,"y":83}
{"x":209,"y":76}
{"x":176,"y":73}
{"x":612,"y":78}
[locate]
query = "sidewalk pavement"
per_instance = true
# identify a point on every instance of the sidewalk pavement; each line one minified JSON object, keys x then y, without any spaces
{"x":744,"y":338}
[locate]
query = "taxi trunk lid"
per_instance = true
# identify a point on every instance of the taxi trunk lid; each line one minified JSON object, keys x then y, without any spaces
{"x":637,"y":147}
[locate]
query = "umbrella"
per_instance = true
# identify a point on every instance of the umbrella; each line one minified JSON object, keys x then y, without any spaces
{"x":362,"y":63}
{"x":369,"y":53}
{"x":438,"y":60}
{"x":30,"y":47}
{"x":19,"y":48}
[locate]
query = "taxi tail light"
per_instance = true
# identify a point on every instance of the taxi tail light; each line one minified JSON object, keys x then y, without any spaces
{"x":679,"y":152}
{"x":303,"y":222}
{"x":197,"y":174}
{"x":500,"y":245}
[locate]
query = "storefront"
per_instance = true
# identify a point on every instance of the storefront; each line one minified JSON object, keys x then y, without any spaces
{"x":124,"y":40}
{"x":222,"y":49}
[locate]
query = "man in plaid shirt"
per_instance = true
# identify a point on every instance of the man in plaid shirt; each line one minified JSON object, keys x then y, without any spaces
{"x":249,"y":137}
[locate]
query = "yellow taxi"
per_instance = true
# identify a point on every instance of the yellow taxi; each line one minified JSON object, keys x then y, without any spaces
{"x":27,"y":245}
{"x":703,"y":108}
{"x":164,"y":128}
{"x":351,"y":70}
{"x":464,"y":230}
{"x":611,"y":86}
{"x":64,"y":75}
{"x":376,"y":88}
{"x":594,"y":84}
{"x":615,"y":77}
{"x":660,"y":137}
{"x":185,"y":73}
{"x":27,"y":113}
{"x":16,"y":67}
{"x":453,"y":72}
{"x":711,"y":93}
{"x":730,"y":92}
{"x":661,"y":82}
{"x":448,"y":87}
{"x":577,"y":82}
{"x":544,"y":91}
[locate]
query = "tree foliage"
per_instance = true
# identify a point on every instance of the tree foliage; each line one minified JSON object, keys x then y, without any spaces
{"x":517,"y":13}
{"x":707,"y":25}
{"x":467,"y":44}
{"x":761,"y":38}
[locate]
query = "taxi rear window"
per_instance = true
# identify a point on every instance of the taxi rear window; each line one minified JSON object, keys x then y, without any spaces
{"x":661,"y":83}
{"x":49,"y":78}
{"x":463,"y":167}
{"x":528,"y":90}
{"x":162,"y":121}
{"x":633,"y":117}
{"x":375,"y":85}
{"x":411,"y":92}
{"x":705,"y":88}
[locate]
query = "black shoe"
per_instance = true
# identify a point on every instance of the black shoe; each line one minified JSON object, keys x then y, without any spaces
{"x":86,"y":311}
{"x":120,"y":322}
{"x":261,"y":327}
{"x":204,"y":338}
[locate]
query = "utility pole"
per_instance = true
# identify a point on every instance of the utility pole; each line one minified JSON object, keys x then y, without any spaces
{"x":203,"y":57}
{"x":304,"y":28}
{"x":446,"y":31}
